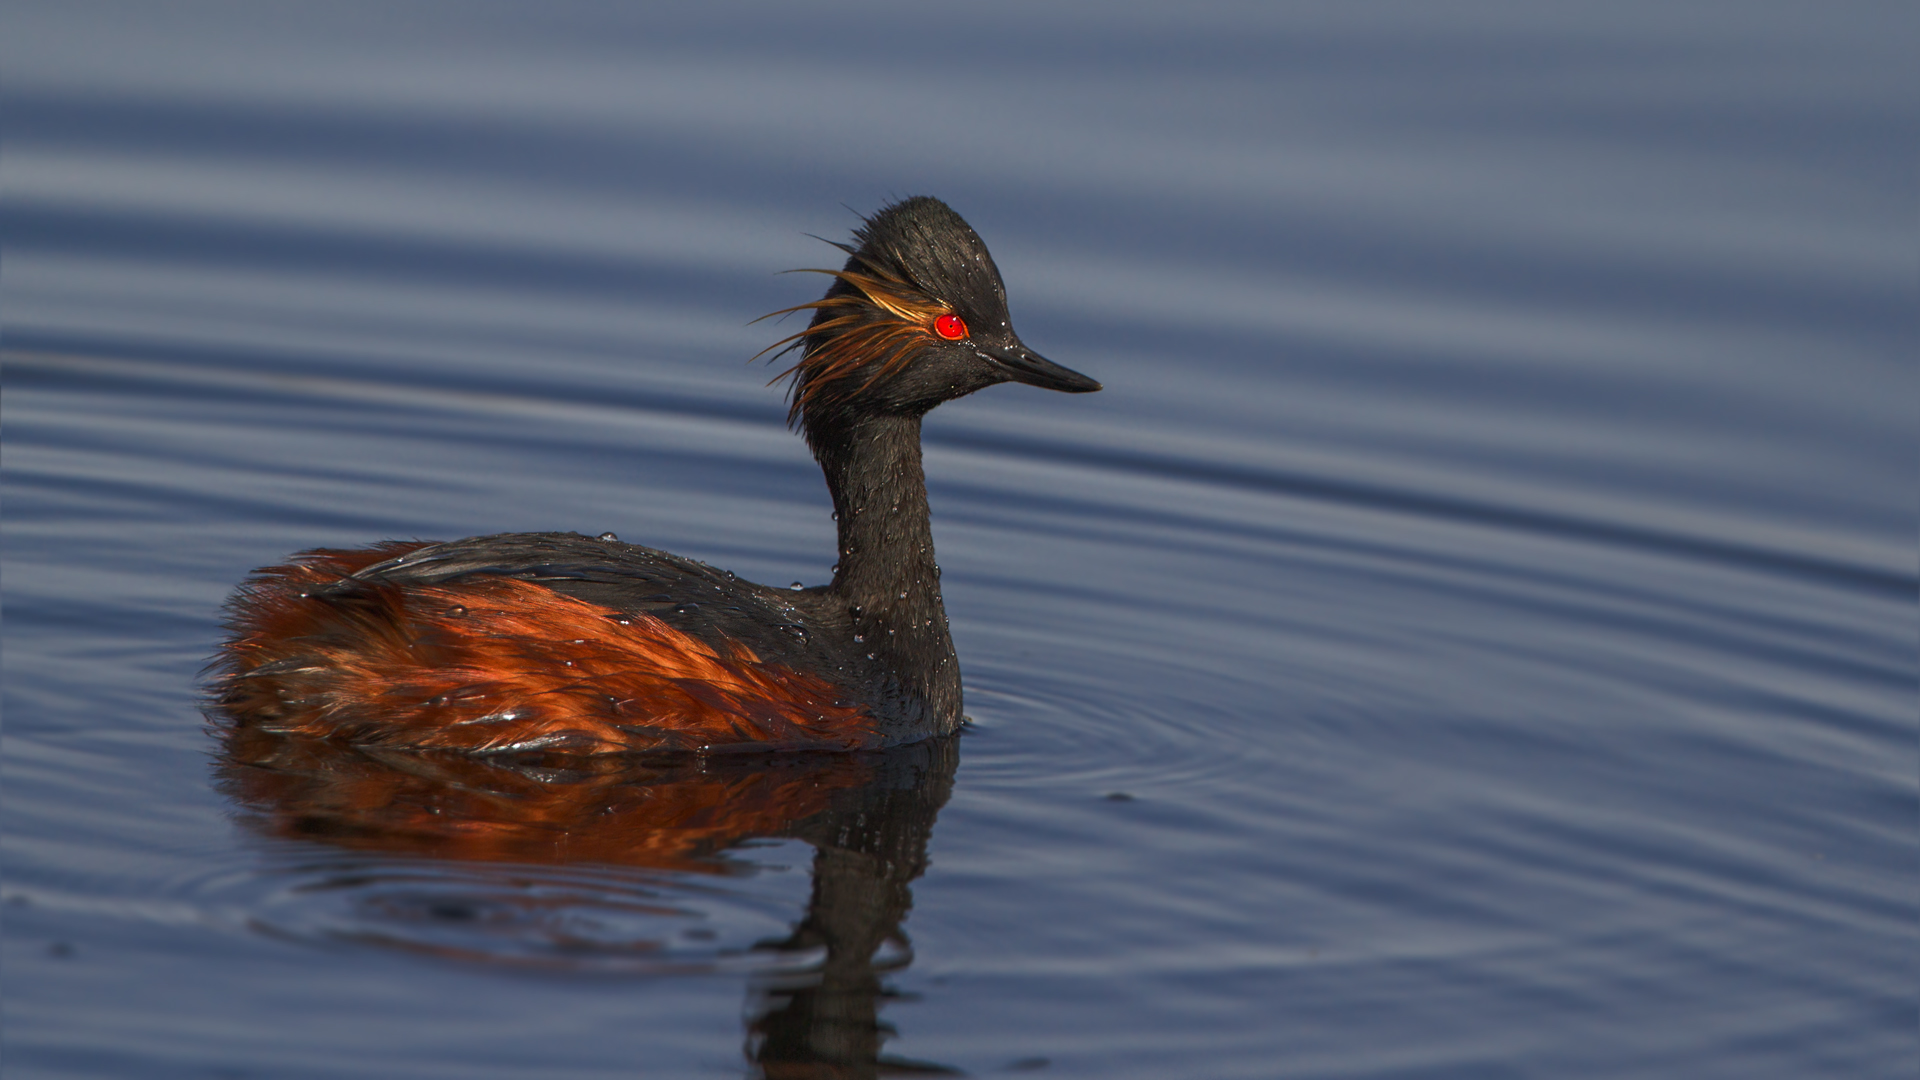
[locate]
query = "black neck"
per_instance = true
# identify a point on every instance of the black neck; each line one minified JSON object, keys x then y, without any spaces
{"x":886,"y":575}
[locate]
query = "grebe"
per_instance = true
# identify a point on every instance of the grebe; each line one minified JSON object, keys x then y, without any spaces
{"x":559,"y":642}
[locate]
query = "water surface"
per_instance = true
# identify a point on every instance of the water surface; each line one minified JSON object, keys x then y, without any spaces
{"x":1471,"y":636}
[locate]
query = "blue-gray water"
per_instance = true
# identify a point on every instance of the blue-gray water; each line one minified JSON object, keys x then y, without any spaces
{"x":1490,"y":570}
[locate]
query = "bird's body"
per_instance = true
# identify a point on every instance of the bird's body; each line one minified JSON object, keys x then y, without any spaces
{"x":570,"y":643}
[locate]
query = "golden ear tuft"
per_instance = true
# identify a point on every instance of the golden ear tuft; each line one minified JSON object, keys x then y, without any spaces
{"x":850,"y":340}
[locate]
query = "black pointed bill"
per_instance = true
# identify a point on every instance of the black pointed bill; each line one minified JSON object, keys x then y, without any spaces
{"x":1024,"y":365}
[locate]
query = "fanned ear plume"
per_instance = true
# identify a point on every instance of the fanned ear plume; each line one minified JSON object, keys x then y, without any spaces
{"x":873,"y":330}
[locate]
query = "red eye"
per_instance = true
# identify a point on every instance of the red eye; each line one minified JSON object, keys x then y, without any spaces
{"x":950,"y":327}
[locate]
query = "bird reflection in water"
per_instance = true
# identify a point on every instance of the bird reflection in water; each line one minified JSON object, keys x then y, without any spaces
{"x":866,"y":815}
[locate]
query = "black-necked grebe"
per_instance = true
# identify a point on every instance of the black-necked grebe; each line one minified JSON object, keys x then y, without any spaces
{"x":570,"y":643}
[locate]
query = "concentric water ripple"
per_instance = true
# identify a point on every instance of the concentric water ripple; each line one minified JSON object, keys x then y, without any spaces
{"x":538,"y":917}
